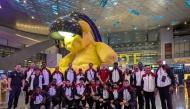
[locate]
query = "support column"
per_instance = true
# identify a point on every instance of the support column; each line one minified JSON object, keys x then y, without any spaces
{"x":166,"y":37}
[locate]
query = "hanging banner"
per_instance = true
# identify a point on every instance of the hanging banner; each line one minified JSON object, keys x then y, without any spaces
{"x":168,"y":50}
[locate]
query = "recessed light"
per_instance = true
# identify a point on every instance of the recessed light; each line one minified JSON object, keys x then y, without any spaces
{"x":99,"y":27}
{"x":115,"y":3}
{"x":135,"y":28}
{"x":106,"y":17}
{"x":168,"y":28}
{"x":158,"y":25}
{"x":33,"y":17}
{"x":83,"y":8}
{"x":24,"y":1}
{"x":185,"y":23}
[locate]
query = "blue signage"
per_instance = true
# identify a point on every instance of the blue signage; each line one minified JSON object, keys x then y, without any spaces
{"x":188,"y":3}
{"x":157,"y":18}
{"x":116,"y":23}
{"x":173,"y":22}
{"x":135,"y":26}
{"x":93,"y":19}
{"x":54,"y":9}
{"x":103,"y":3}
{"x":134,"y":12}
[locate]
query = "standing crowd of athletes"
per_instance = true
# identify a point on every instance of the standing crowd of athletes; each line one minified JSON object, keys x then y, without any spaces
{"x":100,"y":88}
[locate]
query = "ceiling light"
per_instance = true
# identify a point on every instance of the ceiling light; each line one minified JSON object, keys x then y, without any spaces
{"x":168,"y":28}
{"x":0,"y":7}
{"x":24,"y":1}
{"x":33,"y":17}
{"x":185,"y":23}
{"x":99,"y":27}
{"x":115,"y":3}
{"x":106,"y":17}
{"x":135,"y":28}
{"x":158,"y":25}
{"x":83,"y":8}
{"x":134,"y":12}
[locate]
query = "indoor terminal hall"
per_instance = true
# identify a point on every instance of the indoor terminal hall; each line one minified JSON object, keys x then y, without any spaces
{"x":94,"y":54}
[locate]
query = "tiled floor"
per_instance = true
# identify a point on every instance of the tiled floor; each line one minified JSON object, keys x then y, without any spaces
{"x":180,"y":100}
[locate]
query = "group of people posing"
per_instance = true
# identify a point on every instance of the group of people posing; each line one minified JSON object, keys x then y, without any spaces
{"x":100,"y":88}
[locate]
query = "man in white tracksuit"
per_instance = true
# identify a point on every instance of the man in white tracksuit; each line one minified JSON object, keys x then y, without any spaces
{"x":149,"y":89}
{"x":138,"y":78}
{"x":165,"y":82}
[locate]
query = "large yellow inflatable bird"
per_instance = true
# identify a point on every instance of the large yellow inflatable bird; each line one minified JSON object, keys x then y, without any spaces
{"x":75,"y":31}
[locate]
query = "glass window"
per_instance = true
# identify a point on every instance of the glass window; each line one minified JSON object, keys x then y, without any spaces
{"x":3,"y":41}
{"x":181,"y":50}
{"x":176,"y":50}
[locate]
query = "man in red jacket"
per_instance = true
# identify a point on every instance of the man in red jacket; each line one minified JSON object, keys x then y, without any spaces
{"x":103,"y":75}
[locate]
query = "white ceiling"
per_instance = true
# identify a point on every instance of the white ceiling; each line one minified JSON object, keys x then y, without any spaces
{"x":114,"y":10}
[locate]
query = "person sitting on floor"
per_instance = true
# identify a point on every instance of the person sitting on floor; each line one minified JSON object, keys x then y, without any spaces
{"x":54,"y":93}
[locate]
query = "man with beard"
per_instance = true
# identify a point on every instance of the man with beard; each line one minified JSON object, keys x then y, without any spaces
{"x":28,"y":72}
{"x":94,"y":95}
{"x":115,"y":96}
{"x":165,"y":82}
{"x":54,"y":94}
{"x":16,"y":84}
{"x":67,"y":95}
{"x":47,"y":75}
{"x":116,"y":74}
{"x":138,"y":76}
